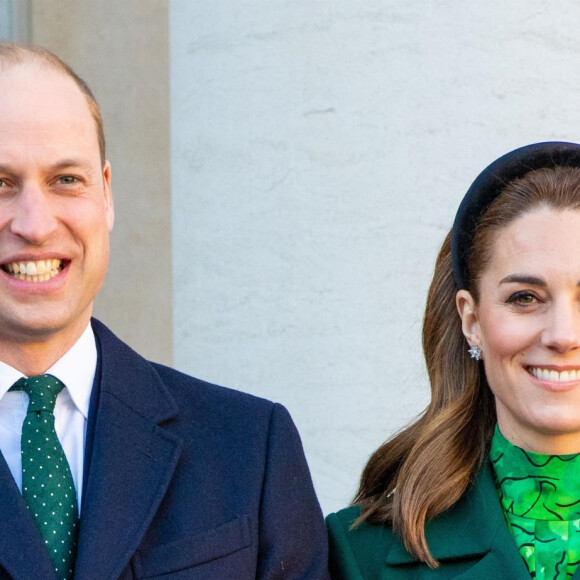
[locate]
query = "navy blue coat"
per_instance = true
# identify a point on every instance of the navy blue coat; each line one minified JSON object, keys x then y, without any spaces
{"x":183,"y":480}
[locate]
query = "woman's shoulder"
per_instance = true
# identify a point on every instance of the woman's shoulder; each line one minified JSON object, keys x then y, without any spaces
{"x":471,"y":533}
{"x":358,"y":549}
{"x":345,"y":523}
{"x":345,"y":517}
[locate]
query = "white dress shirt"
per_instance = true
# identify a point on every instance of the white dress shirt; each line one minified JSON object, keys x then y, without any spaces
{"x":76,"y":369}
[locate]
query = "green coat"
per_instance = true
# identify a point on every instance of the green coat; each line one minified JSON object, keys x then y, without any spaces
{"x":471,"y":541}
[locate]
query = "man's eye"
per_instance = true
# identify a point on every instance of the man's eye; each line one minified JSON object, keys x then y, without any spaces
{"x":67,"y":179}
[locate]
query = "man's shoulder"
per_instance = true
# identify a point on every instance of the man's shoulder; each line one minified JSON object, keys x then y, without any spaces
{"x":180,"y":383}
{"x":188,"y":392}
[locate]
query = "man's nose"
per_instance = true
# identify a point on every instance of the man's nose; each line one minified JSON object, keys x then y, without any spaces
{"x":562,"y":331}
{"x":32,"y":214}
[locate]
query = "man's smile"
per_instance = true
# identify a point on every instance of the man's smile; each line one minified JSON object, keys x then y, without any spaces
{"x":34,"y":271}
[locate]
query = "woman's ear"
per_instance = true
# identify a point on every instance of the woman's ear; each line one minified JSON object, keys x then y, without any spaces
{"x":467,"y":309}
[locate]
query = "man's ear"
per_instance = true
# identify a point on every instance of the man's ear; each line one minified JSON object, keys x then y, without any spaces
{"x":109,"y":206}
{"x":467,"y":309}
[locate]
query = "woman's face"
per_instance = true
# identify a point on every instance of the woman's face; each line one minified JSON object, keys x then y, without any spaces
{"x":527,"y":323}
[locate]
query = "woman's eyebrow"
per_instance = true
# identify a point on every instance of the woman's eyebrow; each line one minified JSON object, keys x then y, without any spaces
{"x":523,"y":279}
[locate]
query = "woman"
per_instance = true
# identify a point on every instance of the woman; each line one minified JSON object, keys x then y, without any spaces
{"x":486,"y":483}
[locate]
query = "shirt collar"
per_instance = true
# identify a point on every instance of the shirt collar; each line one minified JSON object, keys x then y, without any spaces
{"x":76,"y":369}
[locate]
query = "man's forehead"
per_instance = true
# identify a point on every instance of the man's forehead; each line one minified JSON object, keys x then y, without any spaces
{"x":30,"y":84}
{"x":43,"y":116}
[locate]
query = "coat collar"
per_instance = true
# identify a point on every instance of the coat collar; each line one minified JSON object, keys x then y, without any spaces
{"x":134,"y":455}
{"x":473,"y":528}
{"x":129,"y":378}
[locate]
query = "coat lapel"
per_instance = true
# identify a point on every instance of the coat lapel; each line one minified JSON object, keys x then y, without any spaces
{"x":22,"y":552}
{"x":133,"y":460}
{"x":474,"y":529}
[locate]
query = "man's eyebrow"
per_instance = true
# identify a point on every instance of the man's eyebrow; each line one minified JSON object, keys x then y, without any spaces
{"x":72,"y":162}
{"x":523,"y":279}
{"x":66,"y":163}
{"x":5,"y":168}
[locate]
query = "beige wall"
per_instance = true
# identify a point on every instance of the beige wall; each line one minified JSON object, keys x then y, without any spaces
{"x":121,"y":48}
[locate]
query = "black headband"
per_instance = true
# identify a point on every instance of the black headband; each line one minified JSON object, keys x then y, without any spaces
{"x":489,"y":184}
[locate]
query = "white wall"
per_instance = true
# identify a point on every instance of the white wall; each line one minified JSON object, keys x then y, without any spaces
{"x":5,"y":31}
{"x":319,"y":151}
{"x":14,"y":20}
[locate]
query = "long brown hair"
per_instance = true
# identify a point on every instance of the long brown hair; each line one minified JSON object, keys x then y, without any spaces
{"x":425,"y":468}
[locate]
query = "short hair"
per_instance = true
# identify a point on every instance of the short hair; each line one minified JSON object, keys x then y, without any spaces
{"x":14,"y":54}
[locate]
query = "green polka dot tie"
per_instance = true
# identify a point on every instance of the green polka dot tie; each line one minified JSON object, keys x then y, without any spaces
{"x":47,"y":483}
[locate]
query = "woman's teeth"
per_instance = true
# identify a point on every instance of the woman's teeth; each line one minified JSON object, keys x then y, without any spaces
{"x":555,"y":376}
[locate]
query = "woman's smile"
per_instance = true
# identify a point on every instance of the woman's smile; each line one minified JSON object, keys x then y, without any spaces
{"x":554,"y":375}
{"x":527,"y":323}
{"x":555,"y":380}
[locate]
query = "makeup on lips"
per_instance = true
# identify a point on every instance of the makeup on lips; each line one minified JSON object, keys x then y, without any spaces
{"x":561,"y":378}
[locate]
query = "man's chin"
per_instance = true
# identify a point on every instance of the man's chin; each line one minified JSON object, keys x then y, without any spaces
{"x":41,"y":327}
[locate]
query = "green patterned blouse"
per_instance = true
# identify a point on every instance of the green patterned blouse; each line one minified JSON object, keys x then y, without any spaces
{"x":540,"y":496}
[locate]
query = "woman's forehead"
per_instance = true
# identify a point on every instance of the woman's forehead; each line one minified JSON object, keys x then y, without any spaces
{"x":543,"y":241}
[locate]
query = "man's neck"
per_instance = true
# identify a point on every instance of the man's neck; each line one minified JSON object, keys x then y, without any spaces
{"x":34,"y":357}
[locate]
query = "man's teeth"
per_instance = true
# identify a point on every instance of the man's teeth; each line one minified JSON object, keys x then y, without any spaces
{"x":39,"y":271}
{"x":555,"y":376}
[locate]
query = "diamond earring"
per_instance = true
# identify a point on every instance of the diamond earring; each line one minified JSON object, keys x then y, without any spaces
{"x":475,"y":352}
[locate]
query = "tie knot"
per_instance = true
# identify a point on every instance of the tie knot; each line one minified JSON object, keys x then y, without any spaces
{"x":42,"y":391}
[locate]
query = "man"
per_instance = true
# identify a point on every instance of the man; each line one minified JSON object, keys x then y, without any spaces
{"x":174,"y":478}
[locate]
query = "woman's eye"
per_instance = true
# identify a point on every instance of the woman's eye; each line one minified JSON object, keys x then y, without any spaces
{"x":521,"y":298}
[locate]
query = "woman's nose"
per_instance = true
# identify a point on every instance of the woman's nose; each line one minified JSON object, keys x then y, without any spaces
{"x":562,"y":332}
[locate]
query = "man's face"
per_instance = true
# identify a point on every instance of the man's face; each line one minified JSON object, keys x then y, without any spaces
{"x":56,"y":209}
